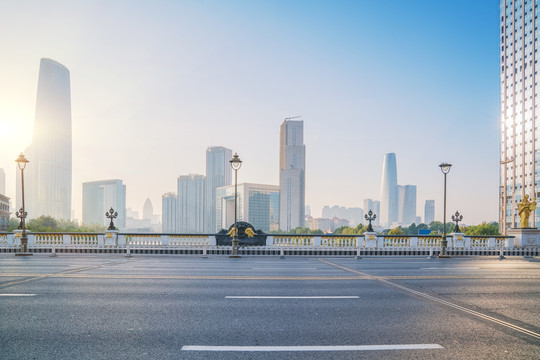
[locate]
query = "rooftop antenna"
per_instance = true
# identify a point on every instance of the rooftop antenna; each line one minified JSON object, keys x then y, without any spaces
{"x":292,"y":117}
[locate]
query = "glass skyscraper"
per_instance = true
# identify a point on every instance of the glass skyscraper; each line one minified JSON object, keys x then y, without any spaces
{"x":257,"y":204}
{"x":168,"y":212}
{"x":47,"y":178}
{"x":389,"y":191}
{"x":429,"y":211}
{"x":218,"y":173}
{"x":190,"y":203}
{"x":520,"y":152}
{"x":99,"y":197}
{"x":292,"y":168}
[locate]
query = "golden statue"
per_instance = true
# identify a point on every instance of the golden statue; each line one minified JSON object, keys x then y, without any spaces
{"x":249,"y":232}
{"x":524,"y":209}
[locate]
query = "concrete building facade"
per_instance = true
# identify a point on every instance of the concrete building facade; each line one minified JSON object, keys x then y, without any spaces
{"x":99,"y":197}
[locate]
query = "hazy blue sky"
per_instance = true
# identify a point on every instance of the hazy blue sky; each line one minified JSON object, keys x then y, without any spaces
{"x":154,"y":83}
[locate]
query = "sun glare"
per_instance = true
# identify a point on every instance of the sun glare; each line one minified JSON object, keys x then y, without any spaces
{"x":16,"y":130}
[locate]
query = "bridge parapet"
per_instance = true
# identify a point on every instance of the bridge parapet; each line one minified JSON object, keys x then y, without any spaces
{"x":115,"y":239}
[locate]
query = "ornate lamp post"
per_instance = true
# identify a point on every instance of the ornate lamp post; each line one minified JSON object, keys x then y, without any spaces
{"x":236,"y":163}
{"x":370,"y":217}
{"x":111,"y":214}
{"x":445,"y":168}
{"x":457,"y":217}
{"x":21,"y":161}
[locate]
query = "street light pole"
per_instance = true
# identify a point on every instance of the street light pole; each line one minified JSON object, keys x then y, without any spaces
{"x":236,"y":163}
{"x":445,"y":168}
{"x":21,"y":161}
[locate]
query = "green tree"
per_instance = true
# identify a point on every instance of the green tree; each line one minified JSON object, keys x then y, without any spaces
{"x":360,"y":229}
{"x":13,"y":224}
{"x":484,"y":228}
{"x":43,"y":224}
{"x":50,"y":224}
{"x":396,"y":231}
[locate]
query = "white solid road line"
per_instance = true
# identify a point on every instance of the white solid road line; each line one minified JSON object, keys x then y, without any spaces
{"x":291,"y":297}
{"x":17,"y":294}
{"x":314,"y":348}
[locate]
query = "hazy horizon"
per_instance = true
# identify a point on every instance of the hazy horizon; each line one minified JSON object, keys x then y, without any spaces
{"x":154,"y":84}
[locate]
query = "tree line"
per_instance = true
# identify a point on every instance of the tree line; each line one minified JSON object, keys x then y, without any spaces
{"x":436,"y":227}
{"x":50,"y":224}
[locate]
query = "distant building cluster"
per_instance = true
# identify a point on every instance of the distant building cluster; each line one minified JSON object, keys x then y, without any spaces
{"x":205,"y":203}
{"x":398,"y":202}
{"x":397,"y":206}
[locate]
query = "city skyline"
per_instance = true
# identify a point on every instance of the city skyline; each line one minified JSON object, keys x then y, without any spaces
{"x":342,"y":76}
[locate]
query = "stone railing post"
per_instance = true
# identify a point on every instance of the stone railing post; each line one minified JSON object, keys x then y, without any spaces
{"x":31,"y":237}
{"x":491,"y":243}
{"x":467,"y":242}
{"x":100,"y":240}
{"x":111,"y":238}
{"x":121,"y":240}
{"x":317,"y":240}
{"x":213,"y":242}
{"x":371,"y":240}
{"x":66,"y":239}
{"x":458,"y":240}
{"x":165,"y":240}
{"x":414,"y":241}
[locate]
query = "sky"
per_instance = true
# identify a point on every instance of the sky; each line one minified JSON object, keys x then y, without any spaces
{"x":154,"y":83}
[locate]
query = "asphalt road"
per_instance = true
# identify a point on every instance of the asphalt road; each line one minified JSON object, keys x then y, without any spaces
{"x":179,"y":307}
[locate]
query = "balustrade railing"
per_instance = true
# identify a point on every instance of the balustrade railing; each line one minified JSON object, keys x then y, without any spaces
{"x":317,"y":243}
{"x":293,"y":240}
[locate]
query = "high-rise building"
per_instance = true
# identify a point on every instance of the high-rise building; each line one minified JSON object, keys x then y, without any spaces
{"x":190,"y":204}
{"x":429,"y":212}
{"x":47,"y":181}
{"x":2,"y":182}
{"x":389,"y":191}
{"x":292,"y":167}
{"x":4,"y":213}
{"x":148,"y":210}
{"x":375,"y":207}
{"x":99,"y":197}
{"x":218,"y":174}
{"x":354,"y":215}
{"x":168,"y":211}
{"x":256,"y":203}
{"x":520,"y":145}
{"x":407,"y":204}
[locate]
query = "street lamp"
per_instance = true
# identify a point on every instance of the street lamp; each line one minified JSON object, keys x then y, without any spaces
{"x":445,"y":168}
{"x":457,"y":217}
{"x":370,"y":216}
{"x":236,"y":163}
{"x":21,"y":161}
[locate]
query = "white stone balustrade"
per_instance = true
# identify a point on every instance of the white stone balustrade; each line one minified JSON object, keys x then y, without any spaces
{"x":115,"y":239}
